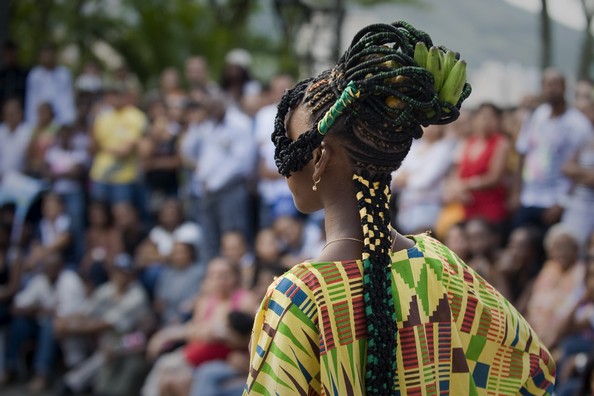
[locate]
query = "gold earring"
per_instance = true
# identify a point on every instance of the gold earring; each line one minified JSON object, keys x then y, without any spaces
{"x":315,"y":186}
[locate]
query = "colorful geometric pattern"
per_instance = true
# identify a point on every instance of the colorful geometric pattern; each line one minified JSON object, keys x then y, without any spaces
{"x":456,"y":334}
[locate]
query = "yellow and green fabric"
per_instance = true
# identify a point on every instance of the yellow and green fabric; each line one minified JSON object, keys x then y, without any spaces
{"x":456,"y":334}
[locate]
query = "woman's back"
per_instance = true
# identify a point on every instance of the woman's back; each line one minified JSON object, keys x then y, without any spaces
{"x":456,"y":334}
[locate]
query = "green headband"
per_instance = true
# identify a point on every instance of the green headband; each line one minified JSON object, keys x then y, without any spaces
{"x":347,"y":97}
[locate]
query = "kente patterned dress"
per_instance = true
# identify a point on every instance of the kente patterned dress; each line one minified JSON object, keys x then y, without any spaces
{"x":456,"y":334}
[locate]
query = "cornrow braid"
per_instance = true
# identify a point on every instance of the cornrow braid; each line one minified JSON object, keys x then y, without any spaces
{"x":389,"y":98}
{"x":373,"y":197}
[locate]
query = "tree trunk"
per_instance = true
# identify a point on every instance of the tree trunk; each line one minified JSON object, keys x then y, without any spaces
{"x":588,"y":44}
{"x":546,"y":37}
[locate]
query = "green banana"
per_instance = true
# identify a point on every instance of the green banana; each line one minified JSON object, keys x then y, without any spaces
{"x":448,"y":63}
{"x":435,"y":66}
{"x":454,"y":84}
{"x":420,"y":55}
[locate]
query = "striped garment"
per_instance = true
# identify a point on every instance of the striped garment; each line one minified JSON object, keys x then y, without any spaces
{"x":456,"y":334}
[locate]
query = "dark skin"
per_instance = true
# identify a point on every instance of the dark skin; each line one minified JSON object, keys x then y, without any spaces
{"x":335,"y":194}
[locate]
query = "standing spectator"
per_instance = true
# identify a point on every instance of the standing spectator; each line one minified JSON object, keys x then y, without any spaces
{"x":480,"y":175}
{"x":578,"y":215}
{"x":299,"y":240}
{"x":224,"y":153}
{"x":275,"y":196}
{"x":197,"y":75}
{"x":584,"y":94}
{"x":419,"y":181}
{"x":240,"y":89}
{"x":89,"y":82}
{"x":170,"y":90}
{"x":116,"y":134}
{"x":66,"y":163}
{"x":13,"y":77}
{"x":547,"y":140}
{"x":52,"y":294}
{"x":15,"y":136}
{"x":44,"y":135}
{"x":128,"y":226}
{"x":52,"y":83}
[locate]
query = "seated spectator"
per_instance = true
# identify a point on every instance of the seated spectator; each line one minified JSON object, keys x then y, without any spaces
{"x":49,"y":296}
{"x":118,"y":315}
{"x":178,"y":284}
{"x":10,"y":280}
{"x":234,"y":247}
{"x":456,"y":239}
{"x":299,"y":241}
{"x":484,"y":253}
{"x":207,"y":335}
{"x":267,"y":255}
{"x":520,"y":262}
{"x":578,"y":335}
{"x":44,"y":135}
{"x":15,"y":136}
{"x":102,"y":245}
{"x":419,"y":181}
{"x":128,"y":226}
{"x":54,"y":234}
{"x":558,"y":288}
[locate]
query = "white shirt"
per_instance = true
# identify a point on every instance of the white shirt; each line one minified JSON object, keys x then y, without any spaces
{"x":53,"y":86}
{"x":51,"y":230}
{"x":269,"y":189}
{"x":547,"y":143}
{"x":164,"y":240}
{"x":13,"y":148}
{"x":66,"y":296}
{"x":224,"y":152}
{"x":62,"y":161}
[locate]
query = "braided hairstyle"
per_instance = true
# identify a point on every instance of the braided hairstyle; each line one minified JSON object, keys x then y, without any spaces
{"x":374,"y":100}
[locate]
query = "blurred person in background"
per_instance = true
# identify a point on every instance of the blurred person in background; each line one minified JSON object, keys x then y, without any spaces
{"x":583,"y":94}
{"x":298,"y":239}
{"x":237,"y":84}
{"x":52,"y":83}
{"x":520,"y":262}
{"x":50,"y":295}
{"x":118,"y":316}
{"x":15,"y":136}
{"x":456,"y":238}
{"x":116,"y":135}
{"x":234,"y":247}
{"x":483,"y":244}
{"x":66,"y":164}
{"x":479,"y":179}
{"x":558,"y":288}
{"x":418,"y":182}
{"x":197,"y":76}
{"x":89,"y":81}
{"x":44,"y":136}
{"x":224,"y":153}
{"x":170,"y":89}
{"x":101,"y":245}
{"x":275,"y":196}
{"x":131,"y":232}
{"x":549,"y":137}
{"x":578,"y":215}
{"x":13,"y":77}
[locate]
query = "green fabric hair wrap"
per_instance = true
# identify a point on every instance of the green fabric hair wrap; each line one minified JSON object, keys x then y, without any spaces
{"x":348,"y":96}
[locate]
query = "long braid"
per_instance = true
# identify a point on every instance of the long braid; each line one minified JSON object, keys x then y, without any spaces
{"x":373,"y":196}
{"x":374,"y":100}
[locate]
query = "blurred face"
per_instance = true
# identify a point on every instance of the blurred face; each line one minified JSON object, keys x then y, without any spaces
{"x":170,"y":79}
{"x":45,"y":114}
{"x":52,"y":207}
{"x":47,"y":58}
{"x":480,"y":240}
{"x":124,"y":214}
{"x":486,"y":121}
{"x":583,"y":95}
{"x":519,"y":246}
{"x":181,"y":256}
{"x":233,"y":246}
{"x":170,"y":215}
{"x":267,"y":248}
{"x":196,"y":70}
{"x":97,"y":215}
{"x":563,"y":250}
{"x":289,"y":230}
{"x":457,"y":241}
{"x":221,"y":276}
{"x":10,"y":56}
{"x":12,"y":113}
{"x":52,"y":266}
{"x":553,"y":87}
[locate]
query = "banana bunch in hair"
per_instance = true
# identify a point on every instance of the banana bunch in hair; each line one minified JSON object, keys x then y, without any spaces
{"x":449,"y":72}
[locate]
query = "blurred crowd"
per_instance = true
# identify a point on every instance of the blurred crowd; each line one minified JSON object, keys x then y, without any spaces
{"x":163,"y":220}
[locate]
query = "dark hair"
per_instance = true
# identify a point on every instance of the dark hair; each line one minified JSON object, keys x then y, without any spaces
{"x":241,"y":322}
{"x":10,"y":45}
{"x":491,"y":106}
{"x":375,"y":101}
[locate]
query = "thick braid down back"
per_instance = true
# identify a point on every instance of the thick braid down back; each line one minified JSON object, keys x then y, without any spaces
{"x":374,"y":101}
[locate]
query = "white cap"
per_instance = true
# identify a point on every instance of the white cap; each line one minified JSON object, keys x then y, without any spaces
{"x":239,"y":57}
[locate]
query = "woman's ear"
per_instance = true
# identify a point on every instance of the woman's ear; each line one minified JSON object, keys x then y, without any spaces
{"x":321,"y":159}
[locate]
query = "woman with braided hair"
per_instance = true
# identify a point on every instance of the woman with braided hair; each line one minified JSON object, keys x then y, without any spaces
{"x":378,"y":313}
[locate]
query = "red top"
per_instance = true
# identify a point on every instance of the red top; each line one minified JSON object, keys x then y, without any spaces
{"x":489,"y":203}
